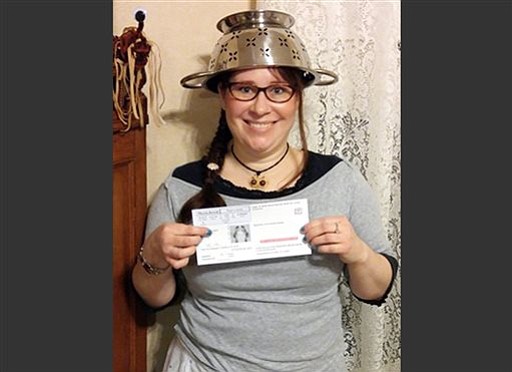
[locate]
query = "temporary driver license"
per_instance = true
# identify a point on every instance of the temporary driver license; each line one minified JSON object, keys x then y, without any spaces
{"x":252,"y":232}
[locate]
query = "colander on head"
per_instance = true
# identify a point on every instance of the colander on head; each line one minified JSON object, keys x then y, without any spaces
{"x":257,"y":38}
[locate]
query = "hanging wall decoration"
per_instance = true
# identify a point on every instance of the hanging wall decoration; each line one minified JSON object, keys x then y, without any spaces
{"x":132,"y":53}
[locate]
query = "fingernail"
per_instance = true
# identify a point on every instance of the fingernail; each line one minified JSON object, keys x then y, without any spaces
{"x":304,"y":239}
{"x":302,"y":229}
{"x":208,"y":233}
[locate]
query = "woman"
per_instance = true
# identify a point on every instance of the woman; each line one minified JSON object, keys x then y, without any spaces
{"x":276,"y":314}
{"x":240,"y":234}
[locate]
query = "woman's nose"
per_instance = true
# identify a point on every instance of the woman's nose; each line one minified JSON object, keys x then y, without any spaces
{"x":260,"y":104}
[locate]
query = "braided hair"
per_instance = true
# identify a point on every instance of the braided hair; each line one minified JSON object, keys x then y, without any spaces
{"x":208,"y":197}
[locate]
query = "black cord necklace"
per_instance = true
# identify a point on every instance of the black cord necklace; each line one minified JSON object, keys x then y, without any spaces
{"x":257,"y":180}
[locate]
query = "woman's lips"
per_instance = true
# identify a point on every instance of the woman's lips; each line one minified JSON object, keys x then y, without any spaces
{"x":260,"y":124}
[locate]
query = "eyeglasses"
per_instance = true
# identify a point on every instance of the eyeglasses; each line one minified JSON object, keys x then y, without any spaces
{"x":278,"y":93}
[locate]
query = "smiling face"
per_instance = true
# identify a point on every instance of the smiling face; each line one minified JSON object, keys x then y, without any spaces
{"x":260,"y":127}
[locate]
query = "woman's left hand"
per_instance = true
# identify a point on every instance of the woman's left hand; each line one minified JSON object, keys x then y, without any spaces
{"x":335,"y":235}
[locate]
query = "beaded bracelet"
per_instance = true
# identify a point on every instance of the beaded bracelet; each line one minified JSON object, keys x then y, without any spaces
{"x":150,"y":269}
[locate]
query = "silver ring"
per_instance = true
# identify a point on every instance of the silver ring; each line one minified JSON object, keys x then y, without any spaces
{"x":336,"y":230}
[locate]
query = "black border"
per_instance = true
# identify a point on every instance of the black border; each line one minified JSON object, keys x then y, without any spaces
{"x":56,"y":247}
{"x":456,"y":186}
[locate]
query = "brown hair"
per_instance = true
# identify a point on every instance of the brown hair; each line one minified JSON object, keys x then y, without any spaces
{"x":208,"y":196}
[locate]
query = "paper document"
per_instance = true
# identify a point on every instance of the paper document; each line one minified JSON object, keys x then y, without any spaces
{"x":252,"y":232}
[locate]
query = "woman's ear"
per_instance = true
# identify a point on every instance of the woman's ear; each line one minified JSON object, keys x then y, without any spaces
{"x":222,"y":97}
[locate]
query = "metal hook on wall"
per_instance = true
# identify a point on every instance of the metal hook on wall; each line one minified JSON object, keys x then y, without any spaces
{"x":140,"y":16}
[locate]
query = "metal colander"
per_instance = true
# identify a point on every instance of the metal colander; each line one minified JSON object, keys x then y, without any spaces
{"x":257,"y":38}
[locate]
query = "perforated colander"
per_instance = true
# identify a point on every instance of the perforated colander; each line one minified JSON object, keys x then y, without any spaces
{"x":257,"y":38}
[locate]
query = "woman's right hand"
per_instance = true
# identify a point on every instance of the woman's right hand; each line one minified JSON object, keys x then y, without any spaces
{"x":172,"y":244}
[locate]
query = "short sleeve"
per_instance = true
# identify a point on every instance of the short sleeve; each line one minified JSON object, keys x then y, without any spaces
{"x":160,"y":210}
{"x":365,"y":215}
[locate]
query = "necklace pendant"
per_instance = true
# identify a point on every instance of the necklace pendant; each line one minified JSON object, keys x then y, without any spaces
{"x":258,"y":182}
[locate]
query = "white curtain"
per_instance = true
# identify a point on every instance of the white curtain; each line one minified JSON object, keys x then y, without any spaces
{"x":358,"y":118}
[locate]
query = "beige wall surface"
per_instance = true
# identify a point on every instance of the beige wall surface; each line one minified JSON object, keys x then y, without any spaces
{"x":185,"y":34}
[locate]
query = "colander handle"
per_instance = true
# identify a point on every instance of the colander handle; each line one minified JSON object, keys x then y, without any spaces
{"x":333,"y":77}
{"x":185,"y":81}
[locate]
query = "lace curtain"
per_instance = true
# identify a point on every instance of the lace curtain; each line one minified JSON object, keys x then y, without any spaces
{"x":358,"y":119}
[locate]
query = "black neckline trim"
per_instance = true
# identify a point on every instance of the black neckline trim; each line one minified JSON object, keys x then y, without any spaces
{"x":318,"y":165}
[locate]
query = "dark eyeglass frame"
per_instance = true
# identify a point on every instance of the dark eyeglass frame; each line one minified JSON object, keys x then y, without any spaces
{"x":258,"y":90}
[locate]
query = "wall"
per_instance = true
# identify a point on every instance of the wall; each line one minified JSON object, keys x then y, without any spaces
{"x":185,"y":33}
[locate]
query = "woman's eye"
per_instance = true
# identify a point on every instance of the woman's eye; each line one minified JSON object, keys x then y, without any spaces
{"x":246,"y":89}
{"x":278,"y":90}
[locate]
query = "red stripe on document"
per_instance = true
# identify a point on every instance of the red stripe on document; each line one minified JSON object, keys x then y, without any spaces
{"x":278,"y":240}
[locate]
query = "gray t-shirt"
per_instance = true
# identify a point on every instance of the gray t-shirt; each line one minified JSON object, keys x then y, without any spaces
{"x":279,"y":314}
